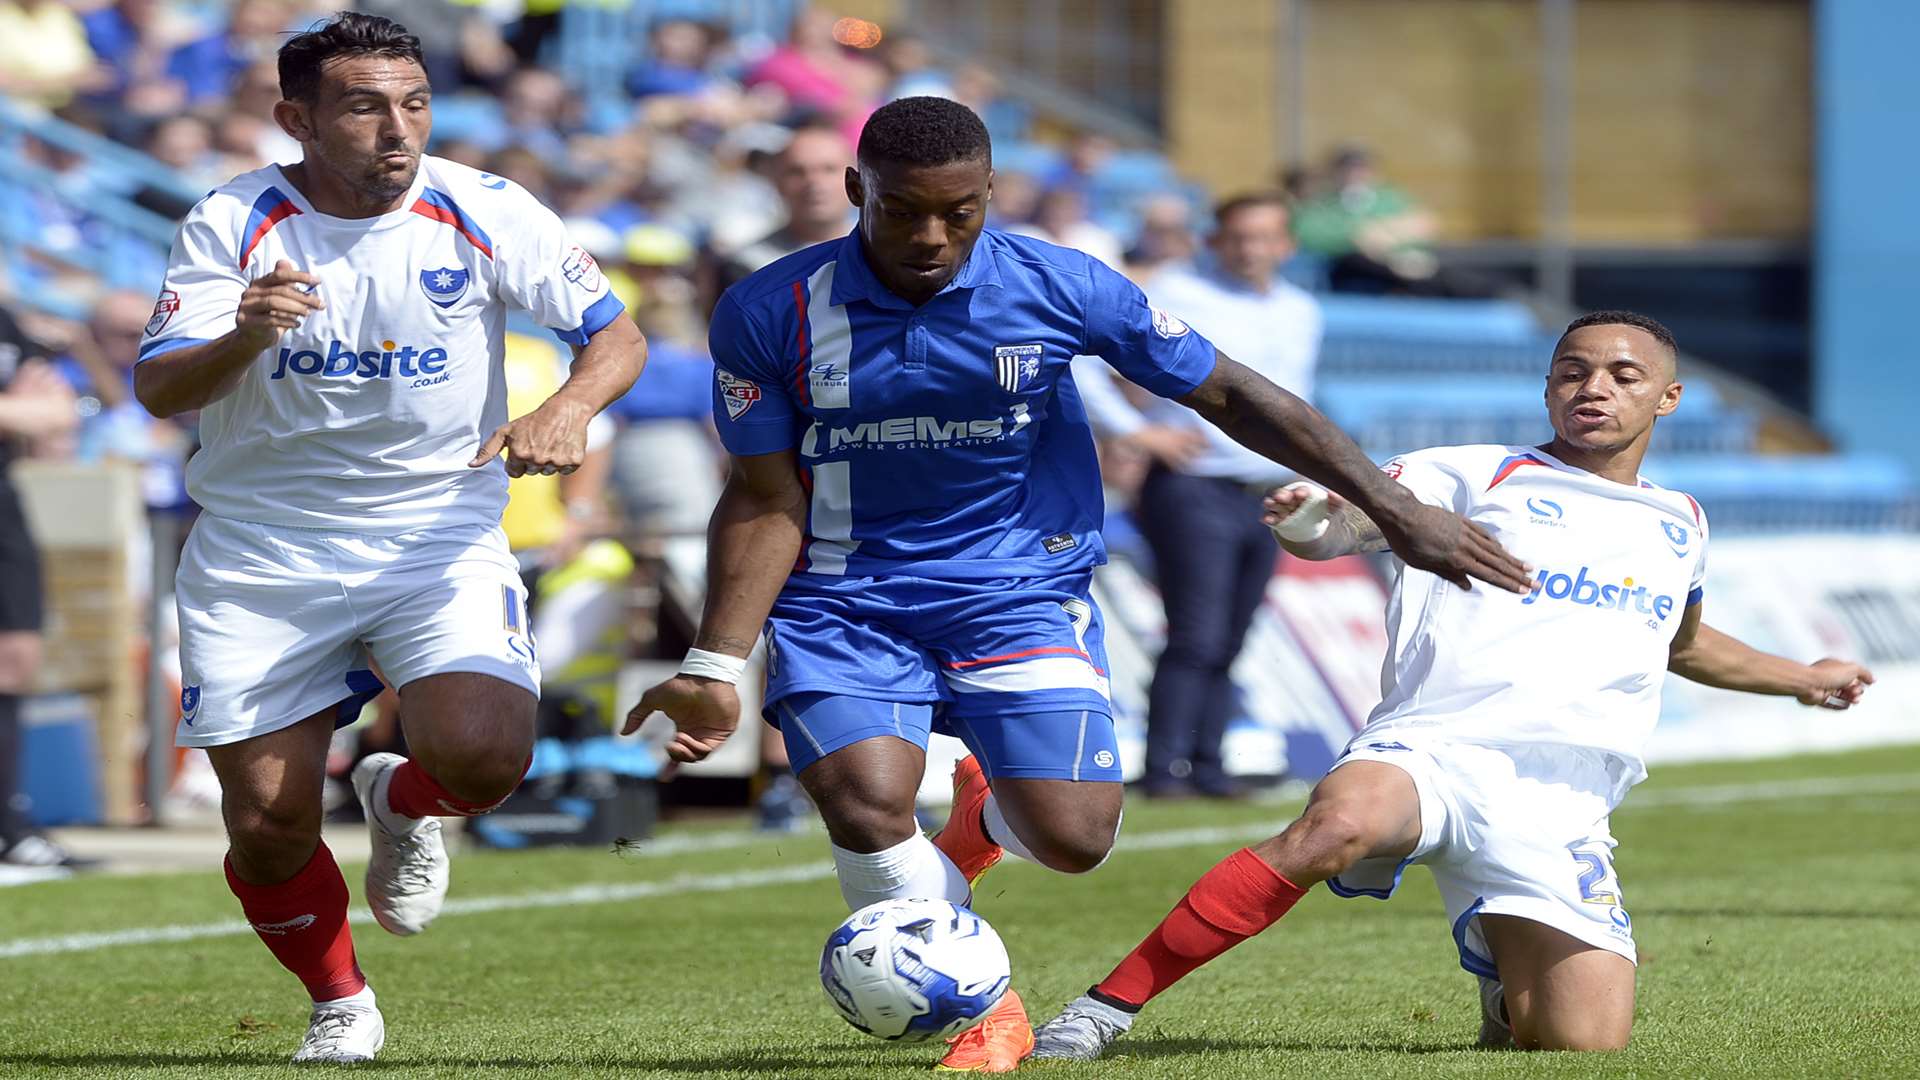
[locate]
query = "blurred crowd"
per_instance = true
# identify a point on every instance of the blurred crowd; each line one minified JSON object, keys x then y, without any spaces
{"x":719,"y":153}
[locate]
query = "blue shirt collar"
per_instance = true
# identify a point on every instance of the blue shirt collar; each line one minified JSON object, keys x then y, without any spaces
{"x":853,"y":279}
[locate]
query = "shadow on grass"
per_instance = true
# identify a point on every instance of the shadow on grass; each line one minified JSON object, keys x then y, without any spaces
{"x":1751,"y":913}
{"x":827,"y":1060}
{"x":1158,"y":1046}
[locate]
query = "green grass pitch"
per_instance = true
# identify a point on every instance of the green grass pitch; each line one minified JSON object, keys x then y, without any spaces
{"x":1776,"y":906}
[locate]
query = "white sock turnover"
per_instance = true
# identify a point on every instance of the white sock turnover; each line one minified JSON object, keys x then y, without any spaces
{"x":913,"y":867}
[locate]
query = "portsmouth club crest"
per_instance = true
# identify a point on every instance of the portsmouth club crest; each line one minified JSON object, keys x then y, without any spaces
{"x":444,"y":286}
{"x":1016,"y":365}
{"x":1676,"y":537}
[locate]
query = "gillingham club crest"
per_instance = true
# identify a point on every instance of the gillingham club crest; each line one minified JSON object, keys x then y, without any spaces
{"x":1015,"y":365}
{"x":444,"y":286}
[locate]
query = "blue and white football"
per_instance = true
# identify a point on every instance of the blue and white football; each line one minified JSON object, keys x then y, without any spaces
{"x":914,"y":969}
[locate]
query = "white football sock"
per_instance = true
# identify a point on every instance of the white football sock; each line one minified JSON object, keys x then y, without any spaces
{"x":1002,"y":833}
{"x":913,"y":867}
{"x":361,"y":999}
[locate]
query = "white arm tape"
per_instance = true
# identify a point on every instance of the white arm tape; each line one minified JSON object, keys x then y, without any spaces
{"x":712,"y":665}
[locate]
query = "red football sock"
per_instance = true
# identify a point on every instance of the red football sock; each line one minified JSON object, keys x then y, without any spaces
{"x":1235,"y":900}
{"x":412,"y":793}
{"x":303,"y":922}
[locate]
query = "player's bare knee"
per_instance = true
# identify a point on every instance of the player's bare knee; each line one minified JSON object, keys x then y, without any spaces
{"x":273,"y":837}
{"x":1074,"y":850}
{"x":482,"y":778}
{"x":863,"y":819}
{"x":1327,"y":839}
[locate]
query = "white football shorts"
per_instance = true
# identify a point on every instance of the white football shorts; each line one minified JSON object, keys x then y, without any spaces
{"x":1506,"y":830}
{"x":277,"y":623}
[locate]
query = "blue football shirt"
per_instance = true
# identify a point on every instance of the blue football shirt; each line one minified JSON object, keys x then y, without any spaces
{"x":946,"y":440}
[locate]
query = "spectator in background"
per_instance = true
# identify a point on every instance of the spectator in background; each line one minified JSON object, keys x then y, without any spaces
{"x":462,"y":45}
{"x":184,"y":144}
{"x":818,"y":76}
{"x":1166,"y":240}
{"x":1016,"y":197}
{"x":1374,"y":237}
{"x":679,"y":51}
{"x":209,"y":67}
{"x":810,"y":175}
{"x":910,"y":69}
{"x":44,"y":55}
{"x":1061,"y":218}
{"x":537,"y":112}
{"x":134,"y":38}
{"x":35,"y":405}
{"x":1200,"y":513}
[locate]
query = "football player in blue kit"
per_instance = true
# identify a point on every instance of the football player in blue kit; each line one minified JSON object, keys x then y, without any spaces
{"x":913,"y":515}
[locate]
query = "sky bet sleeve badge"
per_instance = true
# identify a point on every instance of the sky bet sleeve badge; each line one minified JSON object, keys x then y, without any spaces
{"x":444,"y":286}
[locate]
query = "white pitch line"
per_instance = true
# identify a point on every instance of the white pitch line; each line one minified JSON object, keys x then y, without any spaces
{"x":1707,"y":795}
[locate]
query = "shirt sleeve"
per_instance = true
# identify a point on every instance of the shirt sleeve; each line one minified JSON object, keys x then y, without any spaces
{"x":1150,"y":347}
{"x":200,"y":297}
{"x":1432,"y":480}
{"x":752,"y":405}
{"x":1697,"y":587}
{"x":554,"y":279}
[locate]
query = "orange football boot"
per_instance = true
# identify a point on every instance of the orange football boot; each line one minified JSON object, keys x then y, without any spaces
{"x":997,"y":1043}
{"x":965,"y":840}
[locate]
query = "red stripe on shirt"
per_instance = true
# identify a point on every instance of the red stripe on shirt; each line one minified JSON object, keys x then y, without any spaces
{"x":284,"y":210}
{"x":446,"y":216}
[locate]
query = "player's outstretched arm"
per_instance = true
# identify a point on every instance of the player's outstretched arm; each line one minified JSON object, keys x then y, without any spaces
{"x":1705,"y":655}
{"x":553,"y":438}
{"x":1272,"y":422}
{"x":199,"y":375}
{"x":752,"y":543}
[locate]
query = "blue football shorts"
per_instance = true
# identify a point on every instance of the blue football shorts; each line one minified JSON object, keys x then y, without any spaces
{"x":1016,"y":668}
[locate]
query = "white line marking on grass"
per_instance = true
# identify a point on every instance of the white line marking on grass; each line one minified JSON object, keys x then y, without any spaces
{"x":1707,"y":795}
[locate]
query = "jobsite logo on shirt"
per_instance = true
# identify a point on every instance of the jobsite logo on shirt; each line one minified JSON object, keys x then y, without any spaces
{"x":426,"y":367}
{"x":1582,"y":589}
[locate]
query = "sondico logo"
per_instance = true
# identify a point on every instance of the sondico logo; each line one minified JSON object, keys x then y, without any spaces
{"x":1582,"y":590}
{"x":425,"y":367}
{"x":911,"y":433}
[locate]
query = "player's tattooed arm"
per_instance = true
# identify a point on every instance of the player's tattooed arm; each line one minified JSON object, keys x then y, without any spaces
{"x":1270,"y":421}
{"x":1705,"y":655}
{"x":199,"y":375}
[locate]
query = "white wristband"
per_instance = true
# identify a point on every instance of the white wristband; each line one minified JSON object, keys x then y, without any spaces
{"x":1308,"y":521}
{"x":712,"y":665}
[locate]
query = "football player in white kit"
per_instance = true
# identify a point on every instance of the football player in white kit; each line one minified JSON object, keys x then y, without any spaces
{"x":340,"y":323}
{"x":1511,"y":726}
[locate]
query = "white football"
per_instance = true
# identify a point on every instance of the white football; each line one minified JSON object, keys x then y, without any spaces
{"x":914,"y":969}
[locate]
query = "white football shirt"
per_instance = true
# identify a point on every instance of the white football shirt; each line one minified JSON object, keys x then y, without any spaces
{"x":364,"y":418}
{"x":1581,"y":659}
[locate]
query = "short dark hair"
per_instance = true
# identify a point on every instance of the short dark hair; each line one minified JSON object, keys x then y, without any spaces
{"x":1624,"y":318}
{"x":350,"y":33}
{"x":924,"y":131}
{"x":1249,"y":200}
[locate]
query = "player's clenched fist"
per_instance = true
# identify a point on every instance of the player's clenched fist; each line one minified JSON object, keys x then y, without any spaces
{"x":277,"y":302}
{"x":551,"y":439}
{"x":704,"y":712}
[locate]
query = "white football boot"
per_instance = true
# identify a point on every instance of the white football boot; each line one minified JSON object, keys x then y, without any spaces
{"x":1496,"y":1032}
{"x":347,"y":1030}
{"x":407,"y":874}
{"x":1082,"y":1031}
